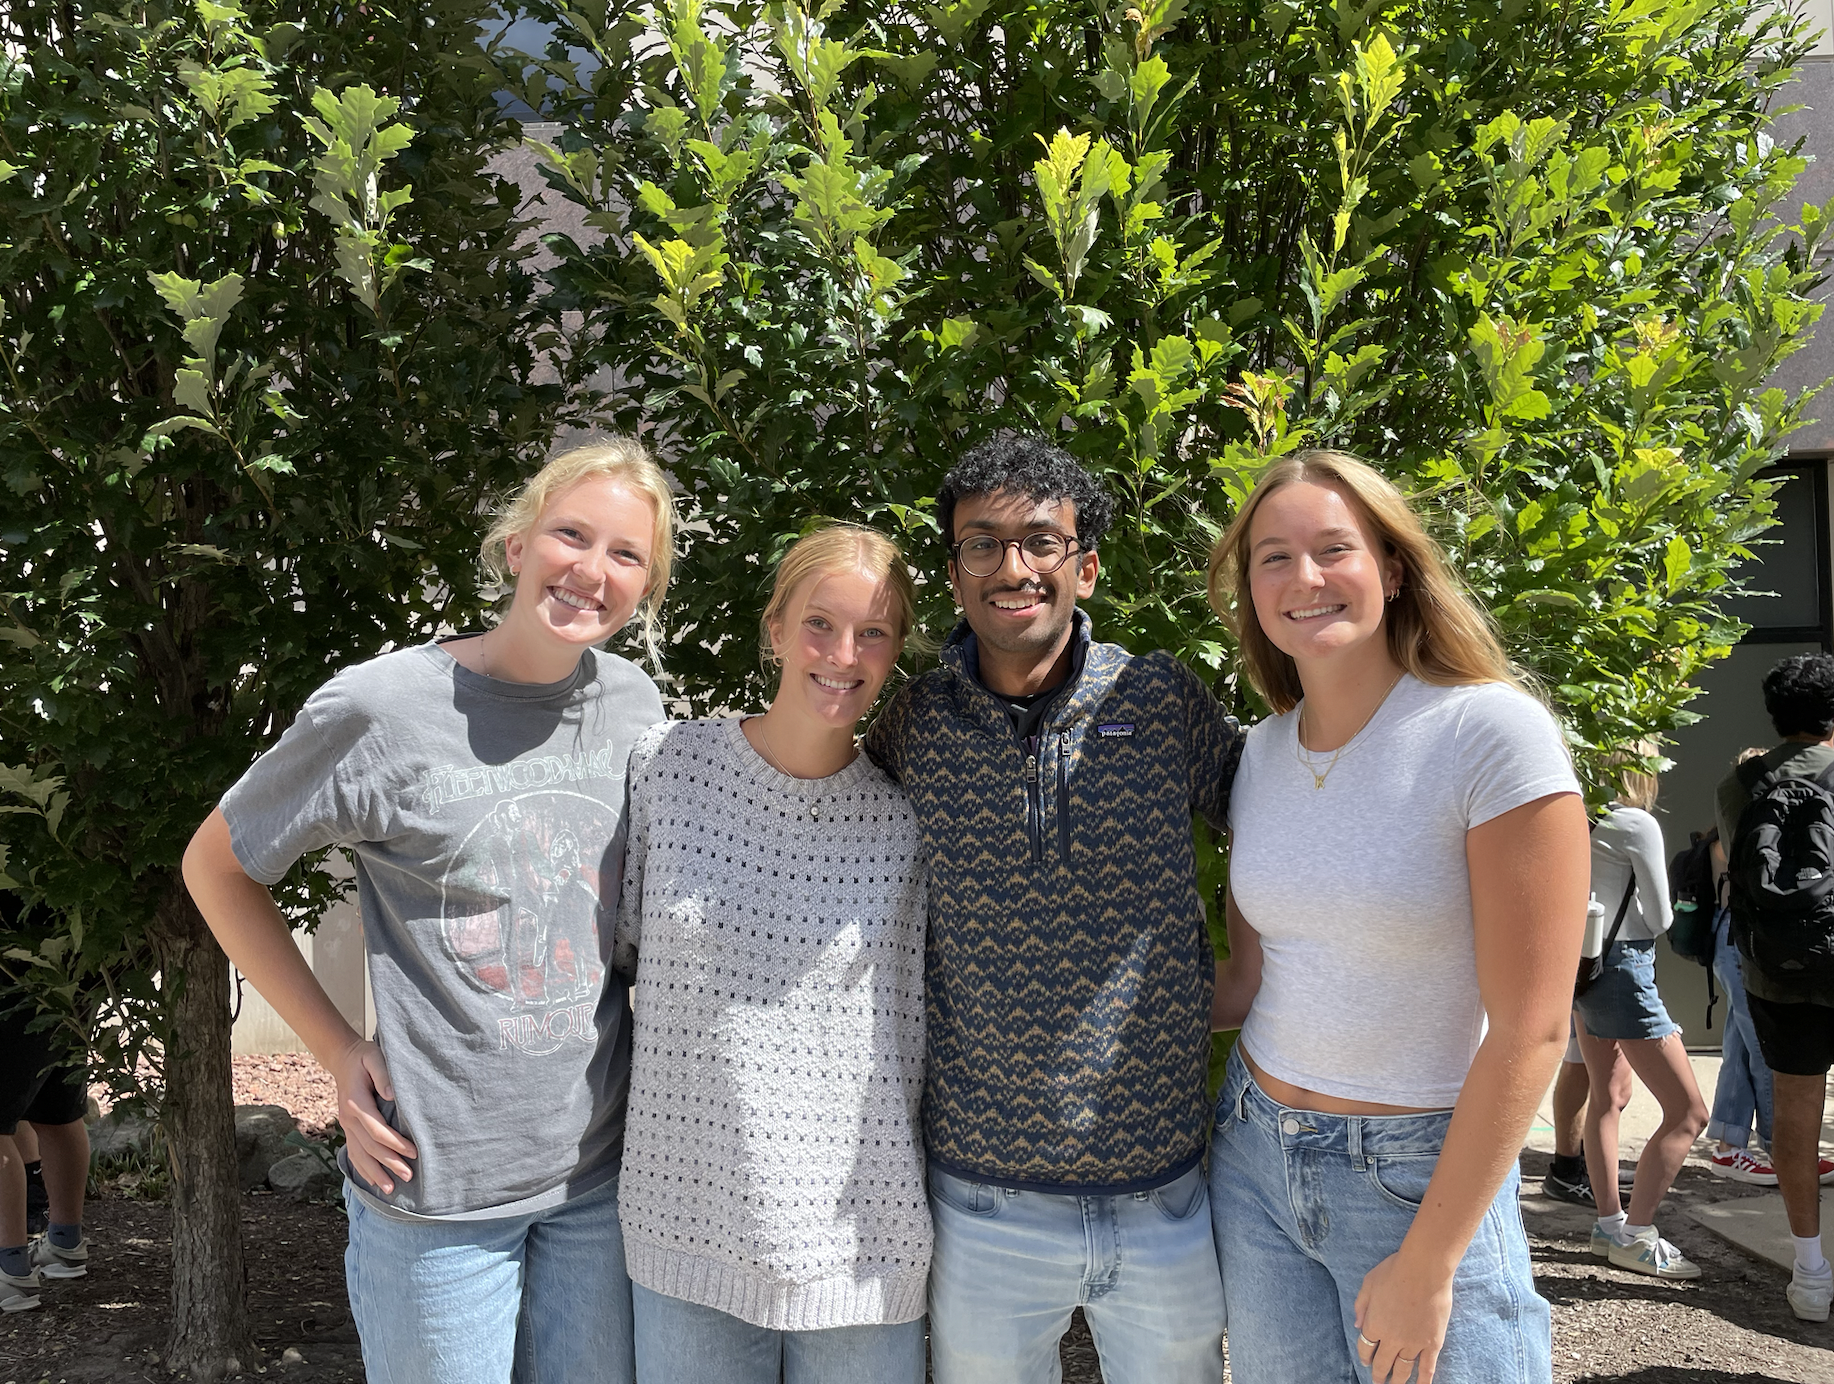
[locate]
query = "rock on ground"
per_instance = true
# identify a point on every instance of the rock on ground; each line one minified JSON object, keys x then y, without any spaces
{"x":120,"y":1133}
{"x":306,"y":1176}
{"x":261,"y":1141}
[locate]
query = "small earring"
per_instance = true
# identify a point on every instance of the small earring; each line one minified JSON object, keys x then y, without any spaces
{"x":1394,"y":595}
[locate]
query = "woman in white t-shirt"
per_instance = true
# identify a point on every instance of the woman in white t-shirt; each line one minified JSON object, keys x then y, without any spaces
{"x":1408,"y":877}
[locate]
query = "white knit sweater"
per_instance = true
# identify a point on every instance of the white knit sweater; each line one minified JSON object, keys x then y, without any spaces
{"x":772,"y":1167}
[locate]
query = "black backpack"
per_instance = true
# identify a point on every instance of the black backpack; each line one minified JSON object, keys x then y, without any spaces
{"x":1782,"y":873}
{"x":1690,"y":888}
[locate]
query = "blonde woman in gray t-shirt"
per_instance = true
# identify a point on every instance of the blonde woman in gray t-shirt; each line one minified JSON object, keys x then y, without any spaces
{"x":477,"y":784}
{"x":1408,"y":877}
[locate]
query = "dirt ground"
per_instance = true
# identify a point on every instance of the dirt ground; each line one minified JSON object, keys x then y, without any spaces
{"x":109,"y":1327}
{"x":1610,"y":1327}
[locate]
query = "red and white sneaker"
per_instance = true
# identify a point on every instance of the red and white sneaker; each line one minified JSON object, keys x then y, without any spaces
{"x":1827,"y":1171}
{"x":1742,"y":1165}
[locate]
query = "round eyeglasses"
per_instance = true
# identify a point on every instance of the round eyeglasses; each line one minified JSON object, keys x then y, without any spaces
{"x":982,"y":554}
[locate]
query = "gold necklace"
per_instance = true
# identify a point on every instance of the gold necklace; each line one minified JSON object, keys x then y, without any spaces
{"x":1304,"y":756}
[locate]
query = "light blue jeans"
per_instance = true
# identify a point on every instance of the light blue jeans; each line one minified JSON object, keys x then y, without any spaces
{"x":1743,"y":1095}
{"x":439,"y":1302}
{"x":684,"y":1343}
{"x":1306,"y":1205}
{"x":1010,"y":1267}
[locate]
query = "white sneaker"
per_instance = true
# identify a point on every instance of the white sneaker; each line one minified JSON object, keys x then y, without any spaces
{"x":1809,"y":1296}
{"x":1602,"y":1240}
{"x":1649,"y":1253}
{"x":61,"y":1263}
{"x":19,"y":1293}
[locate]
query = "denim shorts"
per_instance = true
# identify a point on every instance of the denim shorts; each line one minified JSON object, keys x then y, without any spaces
{"x":1306,"y":1204}
{"x":1623,"y":1002}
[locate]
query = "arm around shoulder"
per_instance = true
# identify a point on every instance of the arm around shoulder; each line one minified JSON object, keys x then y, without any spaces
{"x":1216,"y":740}
{"x":885,"y":737}
{"x":637,"y":792}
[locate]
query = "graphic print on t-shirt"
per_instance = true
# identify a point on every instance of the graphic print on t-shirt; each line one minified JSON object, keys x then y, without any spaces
{"x":521,"y":911}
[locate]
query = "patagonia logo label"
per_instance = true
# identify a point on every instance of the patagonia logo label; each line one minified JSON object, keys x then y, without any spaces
{"x":1115,"y":730}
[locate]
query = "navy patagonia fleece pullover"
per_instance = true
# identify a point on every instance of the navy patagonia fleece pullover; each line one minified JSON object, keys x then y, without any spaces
{"x":1068,"y":977}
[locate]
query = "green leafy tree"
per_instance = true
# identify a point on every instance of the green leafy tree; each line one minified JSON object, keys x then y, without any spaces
{"x":1524,"y":256}
{"x":265,"y":342}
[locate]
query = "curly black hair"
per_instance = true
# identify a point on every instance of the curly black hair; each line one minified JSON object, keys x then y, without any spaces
{"x":1799,"y":695}
{"x":1028,"y":466}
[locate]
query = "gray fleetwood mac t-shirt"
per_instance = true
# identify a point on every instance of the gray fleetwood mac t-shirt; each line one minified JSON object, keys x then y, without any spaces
{"x":486,"y":820}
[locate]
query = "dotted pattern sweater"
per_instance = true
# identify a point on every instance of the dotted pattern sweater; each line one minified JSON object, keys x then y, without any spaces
{"x":775,"y":926}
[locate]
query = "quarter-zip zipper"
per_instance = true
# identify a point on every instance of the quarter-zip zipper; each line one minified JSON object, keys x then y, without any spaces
{"x":1063,"y":796}
{"x":1033,"y":808}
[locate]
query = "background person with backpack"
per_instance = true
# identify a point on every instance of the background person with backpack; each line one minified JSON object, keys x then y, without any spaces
{"x":1622,"y":1012}
{"x":1777,"y":811}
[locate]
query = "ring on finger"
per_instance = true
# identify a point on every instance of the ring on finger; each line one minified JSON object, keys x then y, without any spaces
{"x":1363,"y":1340}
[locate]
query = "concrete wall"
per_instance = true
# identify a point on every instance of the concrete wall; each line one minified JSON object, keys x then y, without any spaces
{"x":335,"y":953}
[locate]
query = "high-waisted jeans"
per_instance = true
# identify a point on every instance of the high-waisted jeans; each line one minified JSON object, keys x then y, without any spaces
{"x":541,"y":1298}
{"x":1305,"y":1205}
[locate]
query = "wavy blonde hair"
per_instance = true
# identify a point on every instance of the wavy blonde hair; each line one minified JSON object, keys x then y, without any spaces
{"x":842,"y":547}
{"x":1435,"y":630}
{"x":628,"y":463}
{"x":1636,"y":787}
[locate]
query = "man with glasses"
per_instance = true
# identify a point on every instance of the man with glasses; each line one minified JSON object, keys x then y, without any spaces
{"x":1069,"y":973}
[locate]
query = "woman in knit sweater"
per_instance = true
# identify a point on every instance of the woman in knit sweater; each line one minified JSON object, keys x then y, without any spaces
{"x":773,"y":914}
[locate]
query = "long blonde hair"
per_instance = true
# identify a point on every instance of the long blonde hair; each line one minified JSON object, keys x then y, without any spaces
{"x":1436,"y":631}
{"x":841,"y":547}
{"x":1636,"y":787}
{"x":625,"y":461}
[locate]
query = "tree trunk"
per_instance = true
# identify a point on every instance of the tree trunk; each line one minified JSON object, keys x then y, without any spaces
{"x":210,"y":1331}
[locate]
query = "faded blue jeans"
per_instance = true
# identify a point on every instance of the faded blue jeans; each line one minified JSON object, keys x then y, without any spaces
{"x":1743,"y":1096}
{"x":1305,"y":1205}
{"x":543,"y":1298}
{"x":1010,"y":1267}
{"x":684,"y":1343}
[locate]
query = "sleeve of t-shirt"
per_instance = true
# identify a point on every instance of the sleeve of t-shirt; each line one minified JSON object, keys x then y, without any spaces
{"x":885,"y":737}
{"x":1509,"y":753}
{"x":629,"y":932}
{"x":1216,"y":750}
{"x":303,"y":793}
{"x":1643,"y":842}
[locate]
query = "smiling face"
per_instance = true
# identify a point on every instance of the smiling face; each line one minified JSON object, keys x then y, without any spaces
{"x":584,"y":565}
{"x":1018,"y":611}
{"x":837,"y":640}
{"x":1318,"y":575}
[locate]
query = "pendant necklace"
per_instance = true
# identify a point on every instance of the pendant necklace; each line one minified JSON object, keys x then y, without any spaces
{"x":777,"y":764}
{"x":1304,"y":756}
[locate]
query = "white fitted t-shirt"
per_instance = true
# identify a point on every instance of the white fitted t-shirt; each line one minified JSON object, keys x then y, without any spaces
{"x":1361,"y":893}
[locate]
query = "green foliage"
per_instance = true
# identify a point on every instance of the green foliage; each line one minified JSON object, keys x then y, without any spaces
{"x":1526,"y":257}
{"x":255,"y":392}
